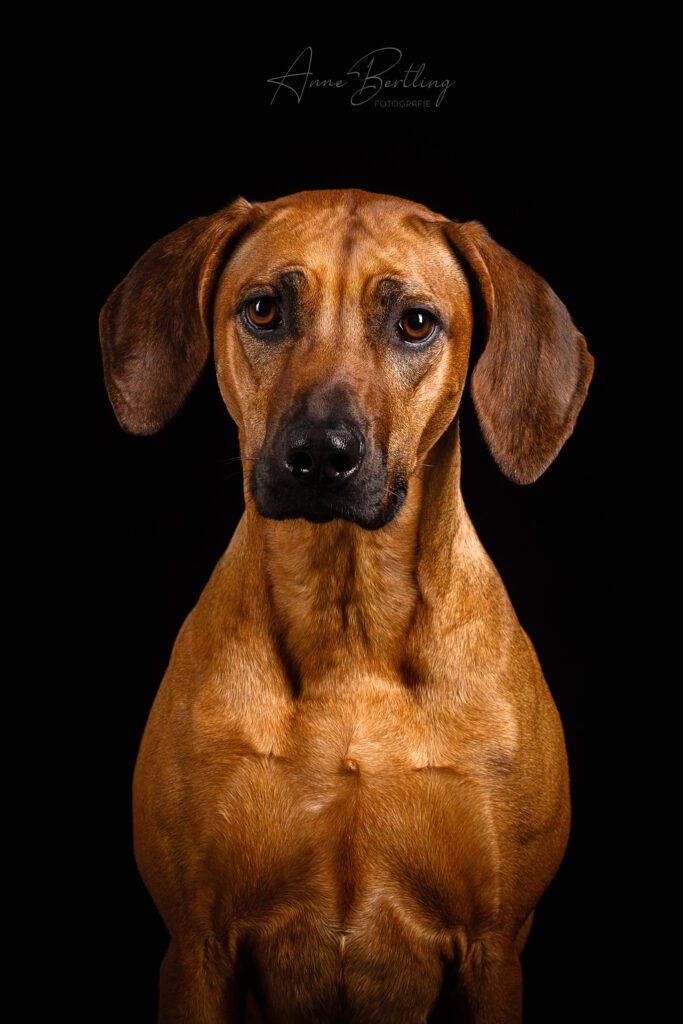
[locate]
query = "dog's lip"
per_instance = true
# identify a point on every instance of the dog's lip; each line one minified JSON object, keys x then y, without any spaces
{"x":377,"y":515}
{"x":382,"y":513}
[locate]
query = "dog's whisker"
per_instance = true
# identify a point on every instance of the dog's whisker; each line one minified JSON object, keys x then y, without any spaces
{"x":239,"y":458}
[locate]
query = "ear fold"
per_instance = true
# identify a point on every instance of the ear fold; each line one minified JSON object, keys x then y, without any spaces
{"x":531,"y":379}
{"x":155,"y":327}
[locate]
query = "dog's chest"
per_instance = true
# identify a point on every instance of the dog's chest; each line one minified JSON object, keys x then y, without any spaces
{"x":363,"y":831}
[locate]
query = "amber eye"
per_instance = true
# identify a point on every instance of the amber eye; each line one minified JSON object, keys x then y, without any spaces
{"x":416,"y":325}
{"x":263,"y":313}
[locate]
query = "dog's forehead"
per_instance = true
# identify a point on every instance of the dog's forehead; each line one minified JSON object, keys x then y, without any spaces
{"x":347,"y":237}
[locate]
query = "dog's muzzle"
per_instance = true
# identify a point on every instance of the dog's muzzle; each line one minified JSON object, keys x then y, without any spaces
{"x":320,"y":465}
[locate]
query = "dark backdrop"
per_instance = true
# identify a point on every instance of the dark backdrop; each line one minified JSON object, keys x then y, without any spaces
{"x":545,"y":137}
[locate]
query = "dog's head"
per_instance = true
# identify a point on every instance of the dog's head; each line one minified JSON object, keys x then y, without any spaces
{"x":341,"y":323}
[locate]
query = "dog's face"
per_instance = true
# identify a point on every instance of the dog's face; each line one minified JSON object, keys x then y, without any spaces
{"x":341,"y":334}
{"x":341,"y":324}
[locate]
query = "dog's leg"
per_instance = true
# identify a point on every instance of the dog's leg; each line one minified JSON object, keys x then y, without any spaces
{"x":524,"y":933}
{"x":196,"y":988}
{"x":490,"y":985}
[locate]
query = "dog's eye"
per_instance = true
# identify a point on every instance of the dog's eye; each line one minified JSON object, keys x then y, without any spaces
{"x":263,"y":313}
{"x":416,"y":325}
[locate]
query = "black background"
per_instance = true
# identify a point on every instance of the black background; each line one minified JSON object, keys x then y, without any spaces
{"x":548,"y":138}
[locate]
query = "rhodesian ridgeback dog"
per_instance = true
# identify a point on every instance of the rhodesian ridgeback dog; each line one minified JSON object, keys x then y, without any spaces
{"x":352,"y":789}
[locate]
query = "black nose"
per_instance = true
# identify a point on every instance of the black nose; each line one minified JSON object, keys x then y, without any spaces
{"x":324,"y":455}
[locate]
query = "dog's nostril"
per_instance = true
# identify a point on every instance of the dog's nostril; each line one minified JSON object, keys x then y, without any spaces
{"x":336,"y":464}
{"x":300,"y":463}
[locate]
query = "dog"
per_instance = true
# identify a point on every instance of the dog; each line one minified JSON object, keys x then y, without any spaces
{"x":352,"y":789}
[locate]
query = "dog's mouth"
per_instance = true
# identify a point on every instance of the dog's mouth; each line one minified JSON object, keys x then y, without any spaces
{"x":365,"y":497}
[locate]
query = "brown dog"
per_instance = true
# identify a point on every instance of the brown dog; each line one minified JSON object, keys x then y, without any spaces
{"x":352,"y":789}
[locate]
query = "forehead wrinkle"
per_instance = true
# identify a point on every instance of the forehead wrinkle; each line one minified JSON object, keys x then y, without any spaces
{"x":390,"y":288}
{"x":297,"y":279}
{"x":344,"y":282}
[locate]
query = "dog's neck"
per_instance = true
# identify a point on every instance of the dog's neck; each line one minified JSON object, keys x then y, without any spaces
{"x":341,"y":596}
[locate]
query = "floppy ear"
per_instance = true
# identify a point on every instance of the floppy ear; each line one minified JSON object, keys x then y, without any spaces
{"x":532,"y":376}
{"x":155,"y":327}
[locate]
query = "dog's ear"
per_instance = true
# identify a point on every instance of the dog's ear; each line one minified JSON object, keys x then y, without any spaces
{"x":531,"y":379}
{"x":155,"y":326}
